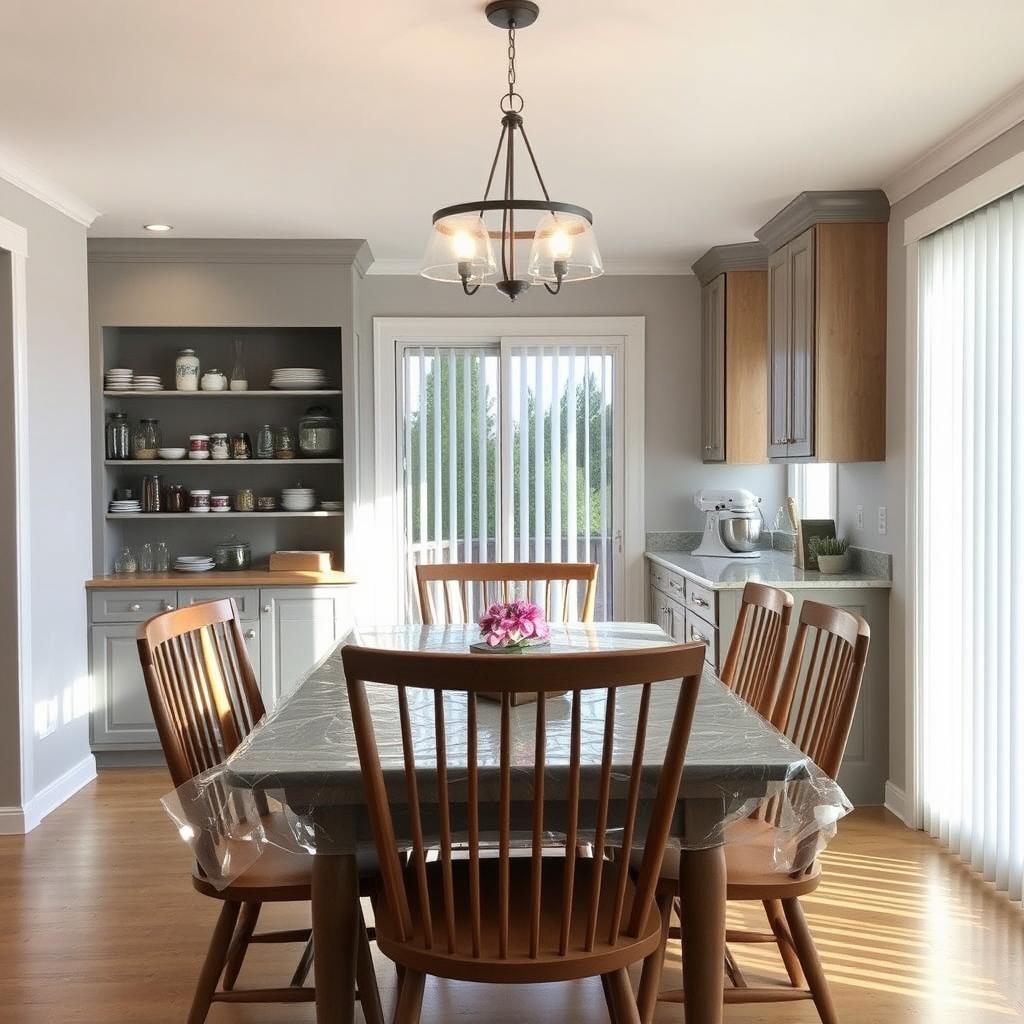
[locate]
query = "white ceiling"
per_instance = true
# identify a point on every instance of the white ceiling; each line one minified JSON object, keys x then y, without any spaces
{"x":681,"y":125}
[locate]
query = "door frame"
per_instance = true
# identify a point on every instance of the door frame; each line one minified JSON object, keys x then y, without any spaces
{"x":389,"y":332}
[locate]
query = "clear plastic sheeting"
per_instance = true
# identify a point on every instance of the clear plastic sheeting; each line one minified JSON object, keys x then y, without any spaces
{"x":295,"y":782}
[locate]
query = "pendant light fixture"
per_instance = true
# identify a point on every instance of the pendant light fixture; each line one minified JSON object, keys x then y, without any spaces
{"x":559,"y":246}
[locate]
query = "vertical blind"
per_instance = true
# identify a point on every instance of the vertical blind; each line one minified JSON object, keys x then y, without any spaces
{"x":970,"y":543}
{"x":550,"y":410}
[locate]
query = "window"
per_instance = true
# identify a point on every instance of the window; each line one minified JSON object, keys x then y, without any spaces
{"x":813,"y":486}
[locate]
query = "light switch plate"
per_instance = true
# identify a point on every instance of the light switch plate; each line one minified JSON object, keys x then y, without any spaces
{"x":883,"y":519}
{"x":860,"y":517}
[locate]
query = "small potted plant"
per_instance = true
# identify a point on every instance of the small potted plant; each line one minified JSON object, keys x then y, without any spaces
{"x":512,"y":627}
{"x":833,"y":554}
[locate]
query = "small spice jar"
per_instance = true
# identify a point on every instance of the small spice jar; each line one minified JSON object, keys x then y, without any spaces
{"x":266,"y":503}
{"x":175,"y":499}
{"x":241,"y":446}
{"x":220,"y":503}
{"x":146,"y":439}
{"x":219,"y":446}
{"x":199,"y":446}
{"x":245,"y":501}
{"x":199,"y":501}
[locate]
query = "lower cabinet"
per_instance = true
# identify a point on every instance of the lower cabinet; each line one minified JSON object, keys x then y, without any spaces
{"x":286,"y":631}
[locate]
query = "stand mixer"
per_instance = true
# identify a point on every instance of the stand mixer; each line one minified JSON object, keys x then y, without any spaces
{"x":732,"y":524}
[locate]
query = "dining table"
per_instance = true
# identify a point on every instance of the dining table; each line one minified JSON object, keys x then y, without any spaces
{"x":303,"y":757}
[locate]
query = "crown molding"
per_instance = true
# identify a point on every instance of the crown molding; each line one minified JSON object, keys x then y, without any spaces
{"x":613,"y":268}
{"x":993,"y":121}
{"x":847,"y":206}
{"x":720,"y":259}
{"x":342,"y":251}
{"x":46,"y":191}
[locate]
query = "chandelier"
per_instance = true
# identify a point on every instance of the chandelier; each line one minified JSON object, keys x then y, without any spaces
{"x":561,"y":243}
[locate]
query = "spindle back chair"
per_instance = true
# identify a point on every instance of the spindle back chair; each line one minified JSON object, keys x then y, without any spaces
{"x":511,"y":919}
{"x":752,"y":664}
{"x":461,"y":591}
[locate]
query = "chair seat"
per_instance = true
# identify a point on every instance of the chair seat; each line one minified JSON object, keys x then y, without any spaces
{"x":751,"y":871}
{"x":518,"y":967}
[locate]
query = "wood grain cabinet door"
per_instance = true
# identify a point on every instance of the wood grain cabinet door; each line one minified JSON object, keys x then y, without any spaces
{"x":778,"y":354}
{"x":801,"y":345}
{"x":713,"y":369}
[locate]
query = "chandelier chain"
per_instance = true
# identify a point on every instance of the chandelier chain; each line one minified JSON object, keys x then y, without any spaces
{"x":511,"y":62}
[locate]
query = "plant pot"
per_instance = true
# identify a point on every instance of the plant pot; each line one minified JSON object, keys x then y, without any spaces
{"x":829,"y":564}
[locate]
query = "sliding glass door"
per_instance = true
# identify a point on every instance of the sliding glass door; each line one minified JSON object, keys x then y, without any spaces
{"x":512,"y":451}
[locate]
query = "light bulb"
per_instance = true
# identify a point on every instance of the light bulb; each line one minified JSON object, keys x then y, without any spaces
{"x":560,"y":244}
{"x":463,"y":245}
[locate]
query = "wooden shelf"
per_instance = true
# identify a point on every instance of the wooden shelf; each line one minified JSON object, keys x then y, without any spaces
{"x":206,"y":516}
{"x":255,"y":577}
{"x":171,"y":393}
{"x":143,"y":463}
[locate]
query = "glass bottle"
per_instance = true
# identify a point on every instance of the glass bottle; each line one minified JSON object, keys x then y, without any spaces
{"x":239,"y":379}
{"x":118,"y":436}
{"x":146,"y":558}
{"x":163,"y":557}
{"x":125,"y":563}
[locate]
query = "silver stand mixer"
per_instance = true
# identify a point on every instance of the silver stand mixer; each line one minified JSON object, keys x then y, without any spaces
{"x":732,"y":523}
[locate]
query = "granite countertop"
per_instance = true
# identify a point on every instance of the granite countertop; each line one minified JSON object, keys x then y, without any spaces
{"x":771,"y":567}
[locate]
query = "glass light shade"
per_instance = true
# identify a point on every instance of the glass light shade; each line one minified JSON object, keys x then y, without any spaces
{"x":569,"y":240}
{"x":459,"y":247}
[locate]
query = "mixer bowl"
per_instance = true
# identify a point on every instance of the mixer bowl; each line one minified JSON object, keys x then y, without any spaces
{"x":740,"y":534}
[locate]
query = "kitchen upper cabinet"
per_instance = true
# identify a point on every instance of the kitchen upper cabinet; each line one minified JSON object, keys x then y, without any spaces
{"x":734,"y":364}
{"x":826,"y":328}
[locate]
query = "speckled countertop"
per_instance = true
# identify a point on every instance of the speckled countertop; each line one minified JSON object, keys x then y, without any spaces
{"x":774,"y":567}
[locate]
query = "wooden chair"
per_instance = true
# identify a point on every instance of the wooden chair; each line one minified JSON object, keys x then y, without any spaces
{"x":205,"y":700}
{"x":754,"y":660}
{"x":519,"y":919}
{"x":463,"y":590}
{"x":815,"y":708}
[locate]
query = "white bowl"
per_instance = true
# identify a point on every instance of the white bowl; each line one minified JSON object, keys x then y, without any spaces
{"x":172,"y":453}
{"x":199,"y":456}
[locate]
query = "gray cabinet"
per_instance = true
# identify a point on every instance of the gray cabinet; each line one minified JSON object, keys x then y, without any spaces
{"x":298,"y":626}
{"x":121,"y":718}
{"x":713,"y":369}
{"x":791,"y":349}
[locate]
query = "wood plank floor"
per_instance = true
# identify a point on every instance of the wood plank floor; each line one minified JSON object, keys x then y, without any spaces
{"x":98,"y":923}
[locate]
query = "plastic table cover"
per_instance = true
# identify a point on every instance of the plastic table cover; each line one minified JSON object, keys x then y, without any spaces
{"x":295,"y":781}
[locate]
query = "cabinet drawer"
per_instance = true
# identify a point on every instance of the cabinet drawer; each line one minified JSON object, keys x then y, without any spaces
{"x":668,"y":583}
{"x":698,"y":629}
{"x":247,"y":599}
{"x":701,"y":601}
{"x":131,"y":605}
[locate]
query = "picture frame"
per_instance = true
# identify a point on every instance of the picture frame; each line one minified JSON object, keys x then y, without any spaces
{"x":812,"y":529}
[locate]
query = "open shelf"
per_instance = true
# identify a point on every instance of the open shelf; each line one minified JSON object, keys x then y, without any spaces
{"x":207,"y":516}
{"x":219,"y":463}
{"x":171,"y":393}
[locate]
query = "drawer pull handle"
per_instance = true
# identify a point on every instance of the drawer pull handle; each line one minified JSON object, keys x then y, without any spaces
{"x":168,"y":607}
{"x":266,"y":609}
{"x":694,"y":635}
{"x":697,"y":599}
{"x":136,"y":607}
{"x":250,"y":634}
{"x":674,"y":585}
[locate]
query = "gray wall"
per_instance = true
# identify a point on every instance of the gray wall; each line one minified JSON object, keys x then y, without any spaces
{"x":671,"y":306}
{"x":874,"y":484}
{"x":58,"y":479}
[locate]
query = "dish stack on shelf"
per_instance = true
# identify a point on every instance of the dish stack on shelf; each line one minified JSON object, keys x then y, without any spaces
{"x":124,"y":506}
{"x":298,"y":378}
{"x":193,"y":563}
{"x":147,"y":382}
{"x":331,"y":506}
{"x":298,"y":499}
{"x":121,"y":379}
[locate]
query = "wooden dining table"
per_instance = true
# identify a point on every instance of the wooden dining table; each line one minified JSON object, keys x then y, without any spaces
{"x":304,"y":756}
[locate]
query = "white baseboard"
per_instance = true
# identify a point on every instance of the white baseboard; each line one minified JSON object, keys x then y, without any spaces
{"x":896,"y":802}
{"x":19,"y":820}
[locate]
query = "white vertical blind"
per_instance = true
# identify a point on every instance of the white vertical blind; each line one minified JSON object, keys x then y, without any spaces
{"x":971,"y":548}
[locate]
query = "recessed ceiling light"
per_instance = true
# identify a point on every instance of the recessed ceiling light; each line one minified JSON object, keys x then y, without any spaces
{"x":157,"y":227}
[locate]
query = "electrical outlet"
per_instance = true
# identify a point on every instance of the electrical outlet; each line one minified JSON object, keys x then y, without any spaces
{"x":883,"y":519}
{"x":860,"y":517}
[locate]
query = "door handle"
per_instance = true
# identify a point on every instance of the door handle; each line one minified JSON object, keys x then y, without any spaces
{"x":250,"y":634}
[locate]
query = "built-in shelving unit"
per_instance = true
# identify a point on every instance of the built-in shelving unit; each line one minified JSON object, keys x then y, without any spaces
{"x":318,"y":513}
{"x":170,"y":393}
{"x":216,"y":463}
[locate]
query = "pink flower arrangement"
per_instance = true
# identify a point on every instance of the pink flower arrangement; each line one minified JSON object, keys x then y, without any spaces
{"x":515,"y":624}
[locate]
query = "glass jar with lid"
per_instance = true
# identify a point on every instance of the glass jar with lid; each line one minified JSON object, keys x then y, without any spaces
{"x":319,"y":433}
{"x":232,"y":555}
{"x":118,"y":436}
{"x":146,"y":439}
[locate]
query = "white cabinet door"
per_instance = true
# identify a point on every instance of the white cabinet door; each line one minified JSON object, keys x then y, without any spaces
{"x":298,"y":626}
{"x":121,"y":715}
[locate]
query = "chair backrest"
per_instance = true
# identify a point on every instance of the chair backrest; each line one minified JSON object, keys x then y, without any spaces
{"x":462,"y":591}
{"x":818,"y":695}
{"x":589,"y":789}
{"x":201,"y":685}
{"x":752,"y":665}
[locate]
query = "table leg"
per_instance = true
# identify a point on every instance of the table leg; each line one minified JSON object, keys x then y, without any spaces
{"x":335,"y":916}
{"x":702,"y":891}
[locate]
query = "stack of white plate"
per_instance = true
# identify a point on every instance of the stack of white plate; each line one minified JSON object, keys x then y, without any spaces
{"x":193,"y":563}
{"x":331,"y":506}
{"x":117,"y":380}
{"x":125,"y":506}
{"x":147,"y":382}
{"x":298,"y":499}
{"x":299,"y":378}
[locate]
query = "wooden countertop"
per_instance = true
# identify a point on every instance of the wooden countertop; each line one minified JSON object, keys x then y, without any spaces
{"x":245,"y":578}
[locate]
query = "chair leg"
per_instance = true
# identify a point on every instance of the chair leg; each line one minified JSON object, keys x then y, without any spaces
{"x":777,"y":920}
{"x":410,"y":999}
{"x":608,"y":1001}
{"x":303,"y":967}
{"x":808,"y":954}
{"x":213,"y":965}
{"x":240,"y":943}
{"x":623,"y":1000}
{"x":732,"y":969}
{"x":366,"y":976}
{"x":650,"y":976}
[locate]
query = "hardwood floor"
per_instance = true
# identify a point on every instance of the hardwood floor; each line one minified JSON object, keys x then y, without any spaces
{"x":98,"y":923}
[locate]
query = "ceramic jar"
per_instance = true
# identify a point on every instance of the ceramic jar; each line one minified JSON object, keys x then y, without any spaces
{"x":199,"y":446}
{"x":199,"y":501}
{"x":186,"y":370}
{"x":220,"y":503}
{"x":214,"y":380}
